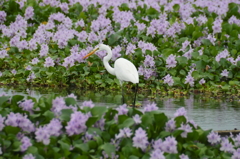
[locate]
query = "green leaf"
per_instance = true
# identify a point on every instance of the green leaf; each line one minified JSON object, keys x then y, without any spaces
{"x":65,"y":148}
{"x":160,"y":120}
{"x":32,"y":150}
{"x":84,"y":147}
{"x":180,"y":120}
{"x":182,"y":60}
{"x":11,"y":130}
{"x":98,"y":111}
{"x":49,"y":115}
{"x":3,"y":99}
{"x":66,"y":114}
{"x":108,"y":148}
{"x":127,"y":123}
{"x":91,"y":121}
{"x":70,"y":101}
{"x":16,"y":98}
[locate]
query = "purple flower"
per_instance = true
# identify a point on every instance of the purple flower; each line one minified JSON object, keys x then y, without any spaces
{"x":170,"y":125}
{"x":184,"y":45}
{"x":64,"y":7}
{"x":130,"y":48}
{"x":34,"y":61}
{"x":2,"y":122}
{"x":29,"y":13}
{"x":29,"y":68}
{"x":182,"y":156}
{"x":226,"y":146}
{"x":3,"y":16}
{"x":77,"y":123}
{"x":116,"y":52}
{"x":122,"y":109}
{"x":44,"y":50}
{"x":72,"y":96}
{"x":3,"y":54}
{"x":171,"y":61}
{"x":125,"y":132}
{"x":54,"y":127}
{"x":187,"y":128}
{"x":58,"y":104}
{"x":222,"y":54}
{"x":43,"y":135}
{"x":217,"y":25}
{"x":149,"y":61}
{"x":150,"y":107}
{"x":202,"y":81}
{"x":28,"y":156}
{"x":26,"y":142}
{"x":213,"y":138}
{"x":31,"y":77}
{"x":140,"y":139}
{"x":68,"y":62}
{"x":14,"y":72}
{"x":170,"y":145}
{"x":189,"y":80}
{"x":211,"y":38}
{"x":27,"y":105}
{"x":236,"y":154}
{"x":88,"y":104}
{"x":168,"y":80}
{"x":157,"y":154}
{"x":180,"y":112}
{"x":225,"y":73}
{"x":137,"y":119}
{"x":48,"y":62}
{"x":18,"y":120}
{"x":236,"y":140}
{"x":188,"y":54}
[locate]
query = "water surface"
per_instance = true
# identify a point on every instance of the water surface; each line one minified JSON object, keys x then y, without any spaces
{"x":207,"y":112}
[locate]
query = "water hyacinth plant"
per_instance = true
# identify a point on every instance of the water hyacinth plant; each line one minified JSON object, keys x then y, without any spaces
{"x":174,"y":44}
{"x":61,"y":127}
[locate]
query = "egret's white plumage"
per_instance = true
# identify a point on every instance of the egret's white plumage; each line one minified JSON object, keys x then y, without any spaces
{"x":123,"y":69}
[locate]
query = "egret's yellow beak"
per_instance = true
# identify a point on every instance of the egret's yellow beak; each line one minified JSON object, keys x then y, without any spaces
{"x":92,"y":52}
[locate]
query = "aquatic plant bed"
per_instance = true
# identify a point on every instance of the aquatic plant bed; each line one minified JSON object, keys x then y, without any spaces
{"x":61,"y":127}
{"x":185,"y":45}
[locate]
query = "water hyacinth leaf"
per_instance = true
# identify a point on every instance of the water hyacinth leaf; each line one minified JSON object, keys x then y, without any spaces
{"x":98,"y":111}
{"x":49,"y":115}
{"x":164,"y":134}
{"x":32,"y":150}
{"x":193,"y":136}
{"x":66,"y":114}
{"x":3,"y":99}
{"x":11,"y":130}
{"x":16,"y":145}
{"x":91,"y":121}
{"x":182,"y":60}
{"x":113,"y":38}
{"x":206,"y":42}
{"x":108,"y":148}
{"x":180,"y":120}
{"x":160,"y":120}
{"x":70,"y":101}
{"x":146,"y":120}
{"x":83,"y":147}
{"x":127,"y":123}
{"x":65,"y":148}
{"x":171,"y":156}
{"x":15,"y":99}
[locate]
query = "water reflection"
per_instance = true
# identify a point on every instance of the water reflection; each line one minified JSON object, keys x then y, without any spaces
{"x":207,"y":112}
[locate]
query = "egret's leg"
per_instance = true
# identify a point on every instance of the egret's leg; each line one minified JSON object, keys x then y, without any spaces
{"x":121,"y":83}
{"x":136,"y":89}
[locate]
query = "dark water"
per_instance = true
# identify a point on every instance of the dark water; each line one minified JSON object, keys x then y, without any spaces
{"x":207,"y":112}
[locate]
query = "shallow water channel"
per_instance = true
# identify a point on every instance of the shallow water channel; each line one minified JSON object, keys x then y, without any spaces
{"x":207,"y":112}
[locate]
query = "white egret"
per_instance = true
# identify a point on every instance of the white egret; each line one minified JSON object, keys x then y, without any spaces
{"x":123,"y":69}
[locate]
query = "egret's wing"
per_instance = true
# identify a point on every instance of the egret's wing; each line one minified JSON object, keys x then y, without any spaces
{"x":125,"y":70}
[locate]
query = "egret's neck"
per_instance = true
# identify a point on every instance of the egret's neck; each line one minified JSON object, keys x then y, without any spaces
{"x":106,"y":59}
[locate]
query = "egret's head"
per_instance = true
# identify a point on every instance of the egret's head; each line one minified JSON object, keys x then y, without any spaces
{"x":97,"y":48}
